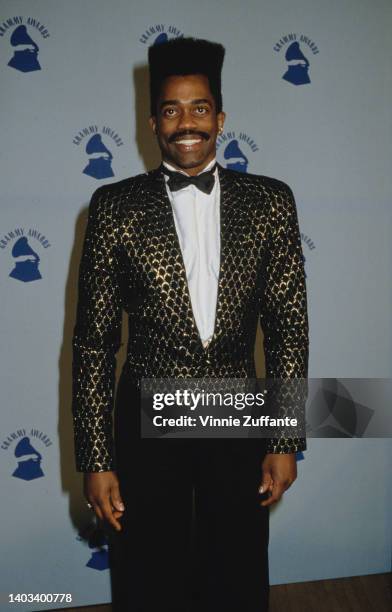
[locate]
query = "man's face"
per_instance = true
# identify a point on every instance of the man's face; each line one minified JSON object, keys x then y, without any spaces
{"x":186,"y":122}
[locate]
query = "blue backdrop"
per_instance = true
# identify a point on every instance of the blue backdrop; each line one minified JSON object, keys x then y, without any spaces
{"x":307,"y":90}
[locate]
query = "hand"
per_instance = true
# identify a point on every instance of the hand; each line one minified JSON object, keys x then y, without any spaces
{"x":279,"y":473}
{"x":102,"y":490}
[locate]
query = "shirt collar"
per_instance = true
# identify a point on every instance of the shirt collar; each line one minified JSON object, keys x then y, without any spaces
{"x":208,"y":167}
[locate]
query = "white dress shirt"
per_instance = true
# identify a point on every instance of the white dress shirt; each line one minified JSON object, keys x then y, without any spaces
{"x":197,"y":220}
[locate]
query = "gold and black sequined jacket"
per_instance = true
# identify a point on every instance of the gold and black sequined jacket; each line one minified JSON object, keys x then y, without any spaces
{"x":132,"y":260}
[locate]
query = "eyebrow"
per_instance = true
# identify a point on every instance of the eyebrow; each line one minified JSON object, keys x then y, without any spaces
{"x":196,"y":101}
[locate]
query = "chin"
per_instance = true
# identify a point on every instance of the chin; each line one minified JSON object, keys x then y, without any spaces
{"x":191,"y":162}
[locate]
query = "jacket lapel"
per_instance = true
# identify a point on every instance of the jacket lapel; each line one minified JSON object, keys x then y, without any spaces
{"x":167,"y":262}
{"x":228,"y":236}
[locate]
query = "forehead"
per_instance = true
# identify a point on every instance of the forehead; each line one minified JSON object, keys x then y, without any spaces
{"x":186,"y":88}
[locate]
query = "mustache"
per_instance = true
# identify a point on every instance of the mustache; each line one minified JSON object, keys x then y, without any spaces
{"x":178,"y":135}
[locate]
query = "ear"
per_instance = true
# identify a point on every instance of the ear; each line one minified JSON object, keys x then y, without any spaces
{"x":153,"y":124}
{"x":221,"y":121}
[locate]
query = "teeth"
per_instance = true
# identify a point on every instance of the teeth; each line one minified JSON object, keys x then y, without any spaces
{"x":188,"y":142}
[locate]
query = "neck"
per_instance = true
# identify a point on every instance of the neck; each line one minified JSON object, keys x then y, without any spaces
{"x":190,"y":171}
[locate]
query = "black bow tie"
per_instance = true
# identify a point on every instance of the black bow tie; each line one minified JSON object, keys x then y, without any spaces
{"x":204,"y":182}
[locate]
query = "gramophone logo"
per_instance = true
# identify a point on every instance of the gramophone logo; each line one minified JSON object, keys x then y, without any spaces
{"x":23,"y":34}
{"x":297,"y":49}
{"x":96,"y":540}
{"x":234,"y":151}
{"x":26,"y":245}
{"x":27,"y":449}
{"x":98,"y":146}
{"x":159,"y":33}
{"x":310,"y":246}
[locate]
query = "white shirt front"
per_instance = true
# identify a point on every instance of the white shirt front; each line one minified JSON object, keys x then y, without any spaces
{"x":197,"y":220}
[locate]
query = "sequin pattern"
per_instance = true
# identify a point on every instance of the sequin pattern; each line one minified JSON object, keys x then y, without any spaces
{"x":132,"y":260}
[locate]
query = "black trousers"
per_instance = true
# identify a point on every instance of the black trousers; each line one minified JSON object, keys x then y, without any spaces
{"x":194,"y":534}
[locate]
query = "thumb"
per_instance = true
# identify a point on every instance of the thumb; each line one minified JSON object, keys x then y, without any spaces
{"x":116,"y":499}
{"x":266,"y":482}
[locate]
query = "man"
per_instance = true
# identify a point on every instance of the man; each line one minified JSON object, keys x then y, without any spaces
{"x":195,"y":254}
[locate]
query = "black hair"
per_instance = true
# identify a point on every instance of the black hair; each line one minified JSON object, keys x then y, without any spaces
{"x":183,"y":56}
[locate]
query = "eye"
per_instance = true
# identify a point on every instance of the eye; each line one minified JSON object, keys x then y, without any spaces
{"x":201,"y":110}
{"x":169,"y":112}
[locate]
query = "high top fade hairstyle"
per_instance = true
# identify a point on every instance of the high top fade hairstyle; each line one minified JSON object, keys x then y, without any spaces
{"x":183,"y":56}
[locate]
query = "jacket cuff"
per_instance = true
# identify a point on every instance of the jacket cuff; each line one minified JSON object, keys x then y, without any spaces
{"x":88,"y":466}
{"x":286,"y":445}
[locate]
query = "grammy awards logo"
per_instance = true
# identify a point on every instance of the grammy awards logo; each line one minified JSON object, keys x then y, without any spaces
{"x":94,"y":536}
{"x":23,"y":35}
{"x":297,"y":50}
{"x":25,"y":264}
{"x":99,"y":559}
{"x":234,"y":151}
{"x":159,"y":33}
{"x":26,"y":459}
{"x":98,"y":146}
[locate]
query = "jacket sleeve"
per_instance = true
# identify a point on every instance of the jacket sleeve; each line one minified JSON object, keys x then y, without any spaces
{"x":284,"y":317}
{"x":96,"y":339}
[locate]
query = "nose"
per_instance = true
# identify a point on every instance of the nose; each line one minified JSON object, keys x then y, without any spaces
{"x":187,"y":121}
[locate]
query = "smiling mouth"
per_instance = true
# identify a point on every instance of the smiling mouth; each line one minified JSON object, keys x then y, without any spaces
{"x":188,"y":141}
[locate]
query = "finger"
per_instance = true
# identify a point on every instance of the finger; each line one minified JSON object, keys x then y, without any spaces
{"x":117,"y":514}
{"x":97,"y":510}
{"x":116,"y":500}
{"x":266,"y":483}
{"x":266,"y":486}
{"x":275,"y":496}
{"x":108,"y":514}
